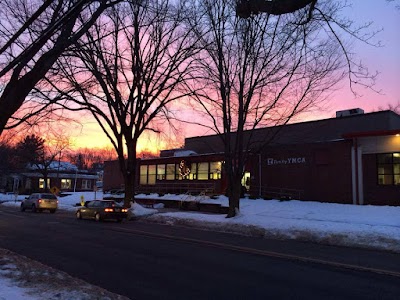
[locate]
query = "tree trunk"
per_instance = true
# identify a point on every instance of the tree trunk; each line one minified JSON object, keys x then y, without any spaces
{"x":130,"y":176}
{"x":234,"y":197}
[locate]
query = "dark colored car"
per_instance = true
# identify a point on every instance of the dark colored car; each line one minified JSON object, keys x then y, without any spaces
{"x":102,"y":210}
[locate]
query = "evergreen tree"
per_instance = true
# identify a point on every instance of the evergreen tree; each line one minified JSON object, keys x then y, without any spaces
{"x":29,"y":150}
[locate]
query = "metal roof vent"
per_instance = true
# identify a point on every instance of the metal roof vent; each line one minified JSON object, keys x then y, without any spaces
{"x":349,"y":112}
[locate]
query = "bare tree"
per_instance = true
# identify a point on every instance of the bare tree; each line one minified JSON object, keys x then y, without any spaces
{"x":7,"y":158}
{"x":263,"y":71}
{"x":127,"y":71}
{"x":90,"y":157}
{"x":33,"y":34}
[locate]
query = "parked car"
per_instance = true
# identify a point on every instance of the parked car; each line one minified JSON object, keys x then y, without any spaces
{"x":39,"y":202}
{"x":102,"y":210}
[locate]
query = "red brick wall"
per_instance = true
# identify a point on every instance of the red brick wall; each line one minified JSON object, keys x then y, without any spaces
{"x":112,"y":178}
{"x":322,"y":172}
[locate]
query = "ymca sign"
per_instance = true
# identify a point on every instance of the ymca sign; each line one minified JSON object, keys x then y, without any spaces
{"x":286,"y":161}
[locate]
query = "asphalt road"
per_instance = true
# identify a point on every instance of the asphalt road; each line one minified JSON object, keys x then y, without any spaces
{"x":149,"y":261}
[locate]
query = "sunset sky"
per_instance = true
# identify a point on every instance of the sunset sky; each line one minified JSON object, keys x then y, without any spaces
{"x":385,"y":60}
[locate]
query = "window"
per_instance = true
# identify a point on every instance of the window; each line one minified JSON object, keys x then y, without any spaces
{"x":246,"y":180}
{"x":28,"y":183}
{"x":170,"y":172}
{"x":47,"y":196}
{"x":388,"y":169}
{"x":91,"y":204}
{"x":107,"y":204}
{"x":66,"y":184}
{"x":160,"y":172}
{"x":193,"y":172}
{"x":202,"y":171}
{"x":215,"y":170}
{"x":183,"y":170}
{"x":151,"y":178}
{"x":41,"y":183}
{"x":86,"y":184}
{"x":143,"y":174}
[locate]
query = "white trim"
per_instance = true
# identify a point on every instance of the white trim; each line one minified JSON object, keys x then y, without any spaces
{"x":353,"y":175}
{"x":259,"y":175}
{"x":360,"y":177}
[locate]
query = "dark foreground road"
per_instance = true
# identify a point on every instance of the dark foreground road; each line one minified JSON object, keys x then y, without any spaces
{"x":149,"y":261}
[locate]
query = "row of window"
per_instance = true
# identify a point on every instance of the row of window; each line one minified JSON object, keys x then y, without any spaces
{"x":388,"y":168}
{"x":66,"y":184}
{"x":149,"y":174}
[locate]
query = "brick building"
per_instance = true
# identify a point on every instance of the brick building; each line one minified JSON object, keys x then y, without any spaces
{"x":353,"y":158}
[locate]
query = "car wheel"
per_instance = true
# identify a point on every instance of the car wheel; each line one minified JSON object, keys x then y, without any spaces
{"x":97,"y":217}
{"x":22,"y":208}
{"x":34,"y":208}
{"x":78,"y":215}
{"x":52,"y":211}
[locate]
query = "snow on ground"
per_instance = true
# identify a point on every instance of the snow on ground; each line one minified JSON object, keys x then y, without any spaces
{"x":8,"y":290}
{"x":376,"y":227}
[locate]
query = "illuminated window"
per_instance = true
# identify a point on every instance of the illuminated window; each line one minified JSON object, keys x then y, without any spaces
{"x":177,"y":172}
{"x":184,"y":170}
{"x":66,"y":184}
{"x":246,"y":180}
{"x":41,"y":183}
{"x":215,"y":170}
{"x":143,"y":174}
{"x":151,"y":178}
{"x":160,"y":172}
{"x":193,"y":172}
{"x":170,"y":172}
{"x":388,"y":169}
{"x":202,"y":171}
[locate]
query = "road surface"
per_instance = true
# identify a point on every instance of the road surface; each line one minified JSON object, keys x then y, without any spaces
{"x":149,"y":261}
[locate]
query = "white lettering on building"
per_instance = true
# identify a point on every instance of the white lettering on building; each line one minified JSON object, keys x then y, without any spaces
{"x":286,"y":161}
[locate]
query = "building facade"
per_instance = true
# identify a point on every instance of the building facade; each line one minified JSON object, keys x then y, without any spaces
{"x":352,"y":158}
{"x":61,"y":176}
{"x":63,"y":181}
